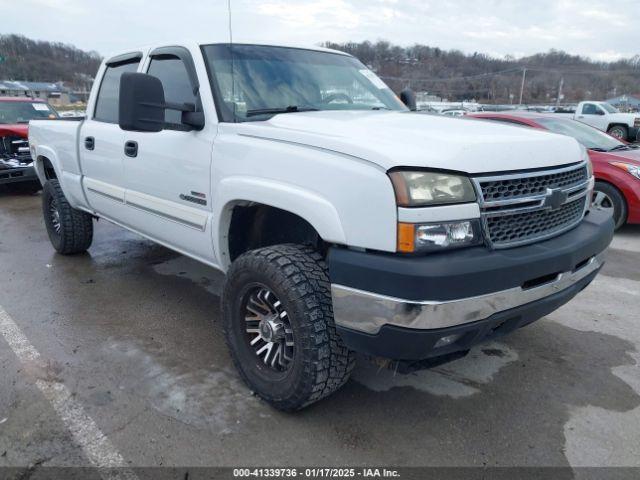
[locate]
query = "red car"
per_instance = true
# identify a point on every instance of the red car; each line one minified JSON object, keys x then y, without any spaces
{"x":16,"y":165}
{"x":616,"y":164}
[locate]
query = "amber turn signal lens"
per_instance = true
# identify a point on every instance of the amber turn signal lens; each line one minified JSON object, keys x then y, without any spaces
{"x":406,"y":237}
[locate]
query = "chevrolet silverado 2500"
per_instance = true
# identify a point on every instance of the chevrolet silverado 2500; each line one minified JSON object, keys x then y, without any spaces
{"x":344,"y":222}
{"x":605,"y":117}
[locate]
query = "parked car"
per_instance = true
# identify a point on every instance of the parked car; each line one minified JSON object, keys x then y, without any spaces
{"x":342,"y":225}
{"x":16,"y":165}
{"x":605,"y":117}
{"x":454,"y":112}
{"x":616,"y":164}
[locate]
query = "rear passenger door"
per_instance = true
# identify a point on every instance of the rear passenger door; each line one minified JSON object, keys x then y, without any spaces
{"x":168,"y":179}
{"x":101,"y":141}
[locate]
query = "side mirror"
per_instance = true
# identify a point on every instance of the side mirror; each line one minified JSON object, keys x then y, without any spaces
{"x":409,"y":99}
{"x":193,"y":119}
{"x":141,"y":107}
{"x":599,"y":112}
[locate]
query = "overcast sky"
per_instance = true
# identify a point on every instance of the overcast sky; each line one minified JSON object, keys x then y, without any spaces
{"x":603,"y":30}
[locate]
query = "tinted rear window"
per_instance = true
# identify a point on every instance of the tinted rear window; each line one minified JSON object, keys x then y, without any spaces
{"x":109,"y":93}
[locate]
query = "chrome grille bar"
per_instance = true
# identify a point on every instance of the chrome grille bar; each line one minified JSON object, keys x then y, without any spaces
{"x":537,"y":202}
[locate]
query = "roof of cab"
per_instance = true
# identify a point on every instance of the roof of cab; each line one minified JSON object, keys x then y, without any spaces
{"x":184,"y":43}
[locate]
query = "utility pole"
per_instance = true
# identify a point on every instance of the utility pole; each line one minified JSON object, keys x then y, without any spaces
{"x":524,"y":75}
{"x":560,"y":92}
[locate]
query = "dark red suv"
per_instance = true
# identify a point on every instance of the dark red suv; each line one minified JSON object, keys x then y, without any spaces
{"x":16,"y":165}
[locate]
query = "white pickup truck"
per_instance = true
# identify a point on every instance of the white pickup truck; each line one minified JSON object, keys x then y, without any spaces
{"x":344,"y":222}
{"x":605,"y":117}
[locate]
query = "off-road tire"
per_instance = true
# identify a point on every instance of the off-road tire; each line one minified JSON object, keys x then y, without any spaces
{"x":76,"y":227}
{"x":321,"y":363}
{"x":617,"y":199}
{"x":619,"y":131}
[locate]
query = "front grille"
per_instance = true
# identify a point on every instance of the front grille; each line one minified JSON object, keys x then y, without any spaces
{"x":517,"y":209}
{"x":15,"y":149}
{"x":521,"y":227}
{"x":495,"y":190}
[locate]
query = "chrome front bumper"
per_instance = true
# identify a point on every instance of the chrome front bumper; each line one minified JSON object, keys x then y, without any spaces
{"x":367,"y":312}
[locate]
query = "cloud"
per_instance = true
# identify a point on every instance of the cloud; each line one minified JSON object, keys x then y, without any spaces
{"x":503,"y":27}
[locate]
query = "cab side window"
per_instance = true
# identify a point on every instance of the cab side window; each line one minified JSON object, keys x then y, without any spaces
{"x":590,"y":109}
{"x":177,"y":88}
{"x":107,"y":103}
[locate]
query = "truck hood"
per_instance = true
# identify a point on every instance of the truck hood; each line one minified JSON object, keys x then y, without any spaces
{"x":393,"y":139}
{"x":18,"y":130}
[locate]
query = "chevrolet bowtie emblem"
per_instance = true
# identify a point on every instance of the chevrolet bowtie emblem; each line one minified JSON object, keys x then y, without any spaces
{"x":555,"y":198}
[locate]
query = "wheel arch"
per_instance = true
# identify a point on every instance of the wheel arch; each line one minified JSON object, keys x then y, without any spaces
{"x":618,"y":124}
{"x":250,"y":206}
{"x":622,"y":195}
{"x":45,"y":169}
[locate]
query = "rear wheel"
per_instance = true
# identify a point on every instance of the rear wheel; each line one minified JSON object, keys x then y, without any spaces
{"x":278,"y":324}
{"x":607,"y":197}
{"x":70,"y":230}
{"x":619,"y":131}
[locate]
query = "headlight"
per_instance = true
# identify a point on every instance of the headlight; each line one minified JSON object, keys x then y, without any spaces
{"x":629,"y":168}
{"x":433,"y":237}
{"x":586,"y":158}
{"x":420,"y":189}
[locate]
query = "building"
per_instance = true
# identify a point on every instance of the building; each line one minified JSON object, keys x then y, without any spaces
{"x":54,"y":93}
{"x":626,"y":102}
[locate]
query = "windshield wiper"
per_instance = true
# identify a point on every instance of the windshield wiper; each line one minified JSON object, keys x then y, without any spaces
{"x":619,"y":147}
{"x":598,"y":149}
{"x":289,"y":109}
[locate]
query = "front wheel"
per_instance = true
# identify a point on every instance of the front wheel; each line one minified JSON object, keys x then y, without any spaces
{"x":278,"y":324}
{"x":607,"y":197}
{"x":619,"y":131}
{"x":70,"y":230}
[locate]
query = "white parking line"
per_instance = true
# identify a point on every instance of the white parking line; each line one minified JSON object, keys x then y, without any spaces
{"x":96,"y":446}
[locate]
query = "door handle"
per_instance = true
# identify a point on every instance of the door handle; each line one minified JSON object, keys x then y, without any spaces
{"x":580,"y":116}
{"x":131,"y":148}
{"x":89,"y":143}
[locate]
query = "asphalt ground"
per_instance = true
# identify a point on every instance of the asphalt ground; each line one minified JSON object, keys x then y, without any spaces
{"x":116,"y":358}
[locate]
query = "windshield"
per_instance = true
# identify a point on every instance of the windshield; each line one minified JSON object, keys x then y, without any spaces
{"x":22,"y":112}
{"x":609,"y":108}
{"x":268,"y":80}
{"x":588,"y":136}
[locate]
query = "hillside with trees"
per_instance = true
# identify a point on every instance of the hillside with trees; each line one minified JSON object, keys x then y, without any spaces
{"x":459,"y":76}
{"x":445,"y":73}
{"x":41,"y":61}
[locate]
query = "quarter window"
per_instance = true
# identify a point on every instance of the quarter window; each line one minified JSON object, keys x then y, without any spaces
{"x":177,"y":88}
{"x":107,"y":104}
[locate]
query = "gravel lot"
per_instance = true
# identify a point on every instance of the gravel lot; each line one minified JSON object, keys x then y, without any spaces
{"x":130,"y":334}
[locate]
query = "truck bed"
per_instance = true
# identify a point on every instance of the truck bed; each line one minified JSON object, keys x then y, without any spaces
{"x":57,"y":141}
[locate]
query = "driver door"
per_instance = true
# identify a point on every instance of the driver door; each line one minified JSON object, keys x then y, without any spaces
{"x":593,"y":115}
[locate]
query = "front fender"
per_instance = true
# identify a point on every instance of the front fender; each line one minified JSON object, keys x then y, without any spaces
{"x":315,"y":209}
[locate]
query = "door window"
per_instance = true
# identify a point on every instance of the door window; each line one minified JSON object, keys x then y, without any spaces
{"x":107,"y":104}
{"x":590,"y":109}
{"x":177,"y":88}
